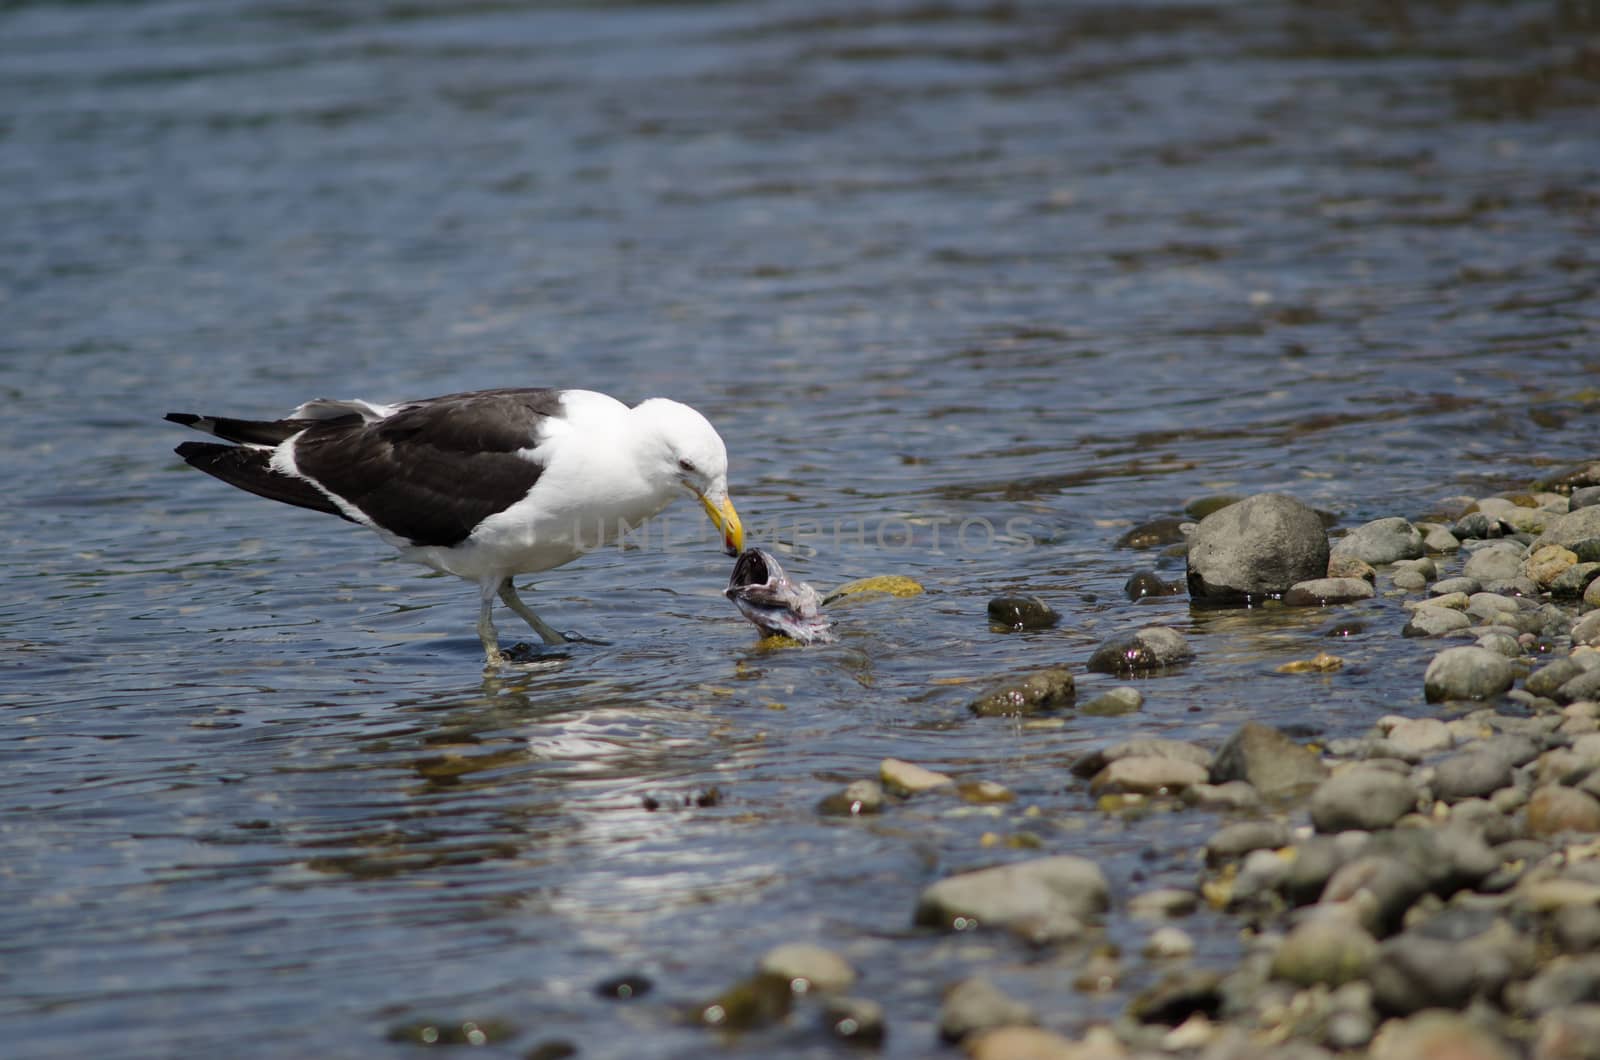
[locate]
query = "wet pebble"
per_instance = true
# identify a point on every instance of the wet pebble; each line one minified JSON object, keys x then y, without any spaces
{"x":1464,"y":586}
{"x":1234,"y":841}
{"x":1496,"y":561}
{"x":1149,"y":649}
{"x":1148,"y":775}
{"x":1571,"y":1033}
{"x":1412,"y":973}
{"x":1327,"y":948}
{"x":1564,"y":982}
{"x":1434,"y":621}
{"x":453,"y":1032}
{"x":1587,"y":629}
{"x":1052,"y":688}
{"x":1154,"y":534}
{"x":1548,"y":679}
{"x":1574,"y":530}
{"x":1377,"y":888}
{"x":855,"y":1020}
{"x":1169,"y":943}
{"x":1554,"y":809}
{"x":1466,"y":673}
{"x":1141,"y":747}
{"x":1382,"y":541}
{"x":1583,"y":498}
{"x":624,"y":987}
{"x":977,"y":1004}
{"x":1256,"y":548}
{"x":1470,"y":774}
{"x":1022,"y":612}
{"x":907,"y":778}
{"x":1271,"y":761}
{"x":759,"y":1001}
{"x":1476,"y":526}
{"x":858,"y":798}
{"x":1362,"y":798}
{"x":808,"y":968}
{"x":1437,"y":538}
{"x":1123,"y":699}
{"x":1179,"y":996}
{"x":1501,"y":643}
{"x":1419,"y":736}
{"x":1053,"y":895}
{"x":1234,"y":796}
{"x":1145,"y":583}
{"x":1575,"y":581}
{"x":1437,"y":1036}
{"x":1027,"y":1043}
{"x":1164,"y":903}
{"x":1319,"y":592}
{"x":1547,"y":563}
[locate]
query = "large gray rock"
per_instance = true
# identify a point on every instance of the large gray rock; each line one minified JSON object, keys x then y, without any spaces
{"x":1382,"y":541}
{"x":1255,"y":549}
{"x":1468,"y":672}
{"x":1052,"y":896}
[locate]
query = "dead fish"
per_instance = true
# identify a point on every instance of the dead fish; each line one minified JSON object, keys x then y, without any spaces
{"x":765,"y":595}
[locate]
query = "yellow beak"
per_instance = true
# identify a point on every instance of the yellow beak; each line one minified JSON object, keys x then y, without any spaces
{"x":727,"y":523}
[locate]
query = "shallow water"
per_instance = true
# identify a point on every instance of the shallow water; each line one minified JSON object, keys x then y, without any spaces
{"x":933,"y":269}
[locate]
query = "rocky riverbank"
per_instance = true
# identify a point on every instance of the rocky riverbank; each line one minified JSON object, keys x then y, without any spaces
{"x":1430,"y":889}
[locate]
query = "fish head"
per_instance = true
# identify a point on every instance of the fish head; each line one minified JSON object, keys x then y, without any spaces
{"x":774,"y":602}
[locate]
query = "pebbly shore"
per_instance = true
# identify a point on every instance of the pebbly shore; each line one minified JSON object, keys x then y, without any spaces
{"x":1429,"y":889}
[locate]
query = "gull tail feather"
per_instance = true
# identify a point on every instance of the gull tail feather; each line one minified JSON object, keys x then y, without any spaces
{"x":251,"y":470}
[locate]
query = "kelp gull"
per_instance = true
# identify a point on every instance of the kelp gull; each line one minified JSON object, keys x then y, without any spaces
{"x":483,"y":485}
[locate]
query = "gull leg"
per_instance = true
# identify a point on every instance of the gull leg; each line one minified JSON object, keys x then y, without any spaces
{"x":508,"y":593}
{"x":486,"y":631}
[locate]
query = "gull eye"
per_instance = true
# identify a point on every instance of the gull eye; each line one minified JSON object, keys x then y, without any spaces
{"x":686,"y":465}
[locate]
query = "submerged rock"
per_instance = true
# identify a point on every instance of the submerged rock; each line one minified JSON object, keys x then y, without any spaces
{"x":1146,"y":776}
{"x":1124,"y":699}
{"x":1319,"y":592}
{"x":855,"y":1020}
{"x":1154,"y":534}
{"x":906,"y":778}
{"x":759,"y":1001}
{"x":859,"y":798}
{"x":1148,"y":583}
{"x":1256,"y":549}
{"x":1055,"y":894}
{"x":1151,"y":648}
{"x":808,"y":968}
{"x":882,"y":584}
{"x":1052,"y":688}
{"x":1022,"y":612}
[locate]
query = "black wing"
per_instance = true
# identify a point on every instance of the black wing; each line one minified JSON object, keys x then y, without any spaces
{"x":435,"y":469}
